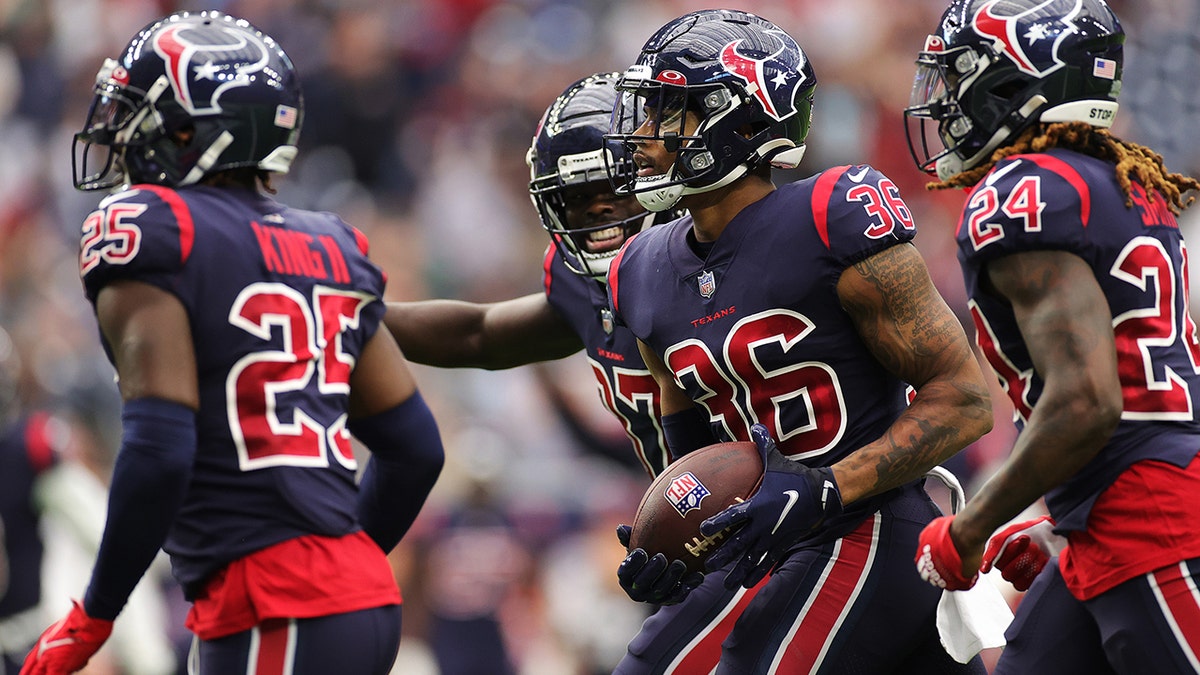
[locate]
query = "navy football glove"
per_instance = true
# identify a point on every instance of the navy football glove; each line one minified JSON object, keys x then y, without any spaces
{"x":792,"y":501}
{"x":652,"y":579}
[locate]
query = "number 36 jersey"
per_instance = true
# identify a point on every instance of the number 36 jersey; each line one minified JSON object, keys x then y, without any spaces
{"x":1063,"y":200}
{"x":281,"y":303}
{"x":755,"y":332}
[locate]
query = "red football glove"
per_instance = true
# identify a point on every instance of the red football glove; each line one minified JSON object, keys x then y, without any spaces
{"x":66,"y":646}
{"x":937,"y":560}
{"x":1021,"y":550}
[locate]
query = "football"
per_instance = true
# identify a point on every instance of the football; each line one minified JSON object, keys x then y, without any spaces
{"x":695,"y":487}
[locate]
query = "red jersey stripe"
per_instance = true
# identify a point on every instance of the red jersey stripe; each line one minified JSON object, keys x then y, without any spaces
{"x":612,"y":274}
{"x":1175,"y":589}
{"x":183,"y":218}
{"x":808,"y":640}
{"x":273,"y":647}
{"x":822,"y":191}
{"x":1069,"y":174}
{"x":704,"y":652}
{"x":547,"y":262}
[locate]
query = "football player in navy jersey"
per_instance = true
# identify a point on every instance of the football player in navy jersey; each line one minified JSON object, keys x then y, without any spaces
{"x":795,"y":316}
{"x":1077,"y":278}
{"x":245,"y":338}
{"x":587,"y":224}
{"x":28,"y":450}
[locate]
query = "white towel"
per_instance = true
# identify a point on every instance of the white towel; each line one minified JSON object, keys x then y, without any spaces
{"x":972,"y":620}
{"x":975,"y":619}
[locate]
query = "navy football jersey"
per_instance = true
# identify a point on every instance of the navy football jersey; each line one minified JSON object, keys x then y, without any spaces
{"x":281,"y":303}
{"x":27,"y":449}
{"x":755,"y":332}
{"x":626,"y":387}
{"x":1066,"y":201}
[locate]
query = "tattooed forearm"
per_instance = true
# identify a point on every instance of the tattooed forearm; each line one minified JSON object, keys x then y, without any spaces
{"x":911,"y":449}
{"x":913,"y":334}
{"x":898,"y":281}
{"x":946,"y":417}
{"x":903,"y":320}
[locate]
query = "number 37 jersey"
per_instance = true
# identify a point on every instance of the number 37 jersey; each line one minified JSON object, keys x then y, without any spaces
{"x":1066,"y":201}
{"x":281,"y":303}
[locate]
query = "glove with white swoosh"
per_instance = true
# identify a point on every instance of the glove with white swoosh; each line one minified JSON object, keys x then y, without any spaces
{"x":792,"y":500}
{"x":66,"y":646}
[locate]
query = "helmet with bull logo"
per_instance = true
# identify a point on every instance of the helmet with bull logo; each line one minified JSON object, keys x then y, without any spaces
{"x":192,"y":94}
{"x":994,"y":67}
{"x":746,"y":81}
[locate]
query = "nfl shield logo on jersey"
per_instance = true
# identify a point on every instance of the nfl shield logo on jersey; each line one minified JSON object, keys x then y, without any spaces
{"x":685,"y":493}
{"x":606,"y":320}
{"x":708,"y":284}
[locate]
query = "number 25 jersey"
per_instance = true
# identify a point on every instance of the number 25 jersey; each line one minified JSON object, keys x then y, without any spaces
{"x":281,"y":303}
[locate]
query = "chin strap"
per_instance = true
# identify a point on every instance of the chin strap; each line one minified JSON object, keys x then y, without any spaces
{"x":666,"y":197}
{"x":210,"y":157}
{"x":790,"y":158}
{"x":658,"y":199}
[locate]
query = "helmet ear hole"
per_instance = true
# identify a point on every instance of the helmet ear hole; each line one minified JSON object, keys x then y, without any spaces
{"x":1008,"y":88}
{"x":752,"y":129}
{"x":183,"y":134}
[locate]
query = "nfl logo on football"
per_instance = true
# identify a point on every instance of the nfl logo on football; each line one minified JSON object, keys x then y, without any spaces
{"x":708,"y":284}
{"x":685,"y":493}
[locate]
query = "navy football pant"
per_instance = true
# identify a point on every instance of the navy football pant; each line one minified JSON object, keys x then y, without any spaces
{"x":1148,"y":624}
{"x":363,"y":643}
{"x":686,"y":638}
{"x":853,"y":606}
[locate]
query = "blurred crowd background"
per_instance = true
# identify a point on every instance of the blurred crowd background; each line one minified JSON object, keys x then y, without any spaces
{"x":419,"y":115}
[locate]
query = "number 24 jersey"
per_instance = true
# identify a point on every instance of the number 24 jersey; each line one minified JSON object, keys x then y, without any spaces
{"x":1063,"y":200}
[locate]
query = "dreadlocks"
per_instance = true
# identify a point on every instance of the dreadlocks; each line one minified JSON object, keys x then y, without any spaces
{"x":1132,"y":162}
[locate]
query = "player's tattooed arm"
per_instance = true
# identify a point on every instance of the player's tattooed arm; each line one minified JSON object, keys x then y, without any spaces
{"x":907,"y":325}
{"x":1066,"y":323}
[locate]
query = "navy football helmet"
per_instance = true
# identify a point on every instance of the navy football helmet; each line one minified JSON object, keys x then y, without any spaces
{"x":192,"y":94}
{"x":569,"y":151}
{"x":746,"y":80}
{"x":995,"y":67}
